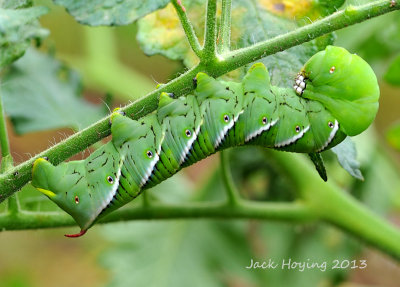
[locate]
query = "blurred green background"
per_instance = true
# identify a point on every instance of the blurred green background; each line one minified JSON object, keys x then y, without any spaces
{"x":114,"y":71}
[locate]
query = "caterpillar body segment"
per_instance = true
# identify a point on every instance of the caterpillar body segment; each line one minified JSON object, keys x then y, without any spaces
{"x":219,"y":115}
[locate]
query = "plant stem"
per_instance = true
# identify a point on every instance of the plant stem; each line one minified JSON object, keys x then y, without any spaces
{"x":224,"y":42}
{"x":330,"y":203}
{"x":13,"y":207}
{"x":145,"y":198}
{"x":14,"y":179}
{"x":231,"y":190}
{"x":10,"y":183}
{"x":341,"y":19}
{"x":296,"y":212}
{"x":187,"y":27}
{"x":6,"y":161}
{"x":210,"y":32}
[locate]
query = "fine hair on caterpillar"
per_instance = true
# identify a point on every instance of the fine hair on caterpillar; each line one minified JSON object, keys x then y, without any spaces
{"x":324,"y":106}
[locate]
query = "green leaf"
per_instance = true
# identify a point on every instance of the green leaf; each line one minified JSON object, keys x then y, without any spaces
{"x":252,"y":22}
{"x":110,"y":12}
{"x":329,"y":6}
{"x":392,"y":75}
{"x":149,"y":253}
{"x":380,"y":175}
{"x":393,"y":136}
{"x":15,"y":4}
{"x":17,"y":29}
{"x":347,"y":156}
{"x":40,"y":93}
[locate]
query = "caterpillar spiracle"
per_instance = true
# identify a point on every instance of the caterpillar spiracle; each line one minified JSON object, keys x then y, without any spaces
{"x":335,"y":95}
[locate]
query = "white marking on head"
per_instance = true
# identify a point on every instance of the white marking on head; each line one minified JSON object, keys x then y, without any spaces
{"x":300,"y":85}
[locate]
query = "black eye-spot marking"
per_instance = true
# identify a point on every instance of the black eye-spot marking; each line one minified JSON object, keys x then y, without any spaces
{"x":297,"y":129}
{"x":46,"y":158}
{"x":76,"y":199}
{"x":264,"y":120}
{"x":110,"y":179}
{"x":188,"y":133}
{"x":149,"y":154}
{"x":16,"y":173}
{"x":226,"y":118}
{"x":331,"y":125}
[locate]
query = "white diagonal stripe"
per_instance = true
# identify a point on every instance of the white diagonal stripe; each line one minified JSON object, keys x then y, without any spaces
{"x":293,"y":139}
{"x":261,"y":130}
{"x":226,"y":128}
{"x":331,"y":136}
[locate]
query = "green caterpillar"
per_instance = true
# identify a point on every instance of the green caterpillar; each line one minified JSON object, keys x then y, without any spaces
{"x":335,"y":95}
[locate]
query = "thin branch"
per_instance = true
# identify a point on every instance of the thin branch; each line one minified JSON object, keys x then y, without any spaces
{"x":187,"y":27}
{"x":145,"y":198}
{"x":224,"y":39}
{"x":14,"y":179}
{"x":230,"y":187}
{"x":295,"y":212}
{"x":6,"y":161}
{"x":210,"y":32}
{"x":341,"y":19}
{"x":13,"y":207}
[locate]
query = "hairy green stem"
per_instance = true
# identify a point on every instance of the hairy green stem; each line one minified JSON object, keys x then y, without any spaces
{"x":224,"y":39}
{"x":231,"y":190}
{"x":210,"y":32}
{"x":341,"y":19}
{"x":296,"y":212}
{"x":187,"y":27}
{"x":14,"y":179}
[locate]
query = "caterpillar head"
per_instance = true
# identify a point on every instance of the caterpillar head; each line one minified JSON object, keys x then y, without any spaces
{"x":66,"y":186}
{"x":345,"y":84}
